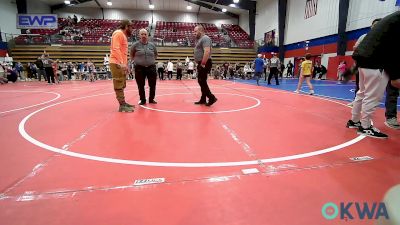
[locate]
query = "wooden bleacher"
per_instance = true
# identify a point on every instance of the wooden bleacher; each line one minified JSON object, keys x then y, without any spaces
{"x":29,"y":53}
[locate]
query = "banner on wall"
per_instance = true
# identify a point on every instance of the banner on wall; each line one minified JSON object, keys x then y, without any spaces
{"x":37,"y":21}
{"x":269,"y":38}
{"x":310,"y":9}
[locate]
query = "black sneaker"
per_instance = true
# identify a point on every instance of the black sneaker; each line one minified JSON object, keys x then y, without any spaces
{"x":371,"y":132}
{"x":211,"y":101}
{"x":152,"y":102}
{"x":352,"y":124}
{"x":142,"y":103}
{"x":200,"y":102}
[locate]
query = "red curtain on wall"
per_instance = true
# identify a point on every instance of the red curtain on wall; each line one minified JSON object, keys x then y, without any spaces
{"x":333,"y":64}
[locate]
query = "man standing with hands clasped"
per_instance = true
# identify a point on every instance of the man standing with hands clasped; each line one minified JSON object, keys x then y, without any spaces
{"x":202,"y":55}
{"x":144,"y":53}
{"x":119,"y":63}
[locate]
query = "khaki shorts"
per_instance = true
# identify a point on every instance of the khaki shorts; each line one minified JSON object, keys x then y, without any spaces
{"x":118,"y":75}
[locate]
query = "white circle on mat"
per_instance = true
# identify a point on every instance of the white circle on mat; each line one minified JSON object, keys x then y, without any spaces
{"x":30,"y":106}
{"x":257,"y":103}
{"x":22,"y":131}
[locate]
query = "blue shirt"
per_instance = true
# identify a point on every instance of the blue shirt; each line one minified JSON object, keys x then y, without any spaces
{"x":259,"y":65}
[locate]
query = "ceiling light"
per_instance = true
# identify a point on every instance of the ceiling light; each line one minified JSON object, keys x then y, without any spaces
{"x":224,"y":10}
{"x":232,"y":5}
{"x":67,"y":2}
{"x":235,"y":1}
{"x":109,"y":3}
{"x":189,"y":7}
{"x":151,"y":6}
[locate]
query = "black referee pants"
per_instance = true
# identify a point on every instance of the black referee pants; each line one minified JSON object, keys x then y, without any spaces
{"x":273,"y":71}
{"x":202,"y":79}
{"x":141,"y":73}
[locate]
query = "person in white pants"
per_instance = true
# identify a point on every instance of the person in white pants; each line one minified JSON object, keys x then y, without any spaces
{"x":354,"y":47}
{"x":372,"y":83}
{"x":375,"y":70}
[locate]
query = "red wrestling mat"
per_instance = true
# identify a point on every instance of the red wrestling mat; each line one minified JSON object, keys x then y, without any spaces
{"x":68,"y":156}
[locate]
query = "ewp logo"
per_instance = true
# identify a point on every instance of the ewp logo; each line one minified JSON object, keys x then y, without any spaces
{"x":36,"y":21}
{"x":363,"y":210}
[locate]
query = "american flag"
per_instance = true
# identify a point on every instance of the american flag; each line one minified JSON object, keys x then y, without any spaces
{"x":311,"y":8}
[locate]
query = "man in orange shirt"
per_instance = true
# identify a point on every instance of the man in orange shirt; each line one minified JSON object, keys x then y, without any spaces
{"x":119,"y":62}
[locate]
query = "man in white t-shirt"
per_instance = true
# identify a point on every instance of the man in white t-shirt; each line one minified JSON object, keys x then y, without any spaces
{"x":170,"y":69}
{"x":190,"y":69}
{"x":106,"y":62}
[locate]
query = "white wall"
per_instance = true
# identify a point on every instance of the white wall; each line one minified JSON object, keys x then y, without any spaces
{"x":121,"y":14}
{"x":37,"y":7}
{"x":8,"y":17}
{"x":286,"y":60}
{"x":244,"y":21}
{"x":94,"y":13}
{"x":323,"y":24}
{"x":216,"y":19}
{"x":325,"y":58}
{"x":349,"y":53}
{"x":266,"y":18}
{"x":363,"y":12}
{"x":171,"y":16}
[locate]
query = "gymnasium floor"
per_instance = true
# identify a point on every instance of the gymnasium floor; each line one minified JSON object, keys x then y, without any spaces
{"x":68,"y":156}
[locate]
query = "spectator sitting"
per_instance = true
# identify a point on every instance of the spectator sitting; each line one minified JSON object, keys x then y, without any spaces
{"x":322,"y":71}
{"x":216,"y":73}
{"x":247,"y":71}
{"x":3,"y":80}
{"x":231,"y":71}
{"x":12,"y":75}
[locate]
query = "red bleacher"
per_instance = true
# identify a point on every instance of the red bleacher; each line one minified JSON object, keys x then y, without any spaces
{"x":99,"y":32}
{"x":238,"y":35}
{"x":61,"y":23}
{"x":94,"y":32}
{"x":181,"y":32}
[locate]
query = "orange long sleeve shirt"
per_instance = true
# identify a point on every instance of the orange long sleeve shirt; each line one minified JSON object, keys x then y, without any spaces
{"x":119,"y":48}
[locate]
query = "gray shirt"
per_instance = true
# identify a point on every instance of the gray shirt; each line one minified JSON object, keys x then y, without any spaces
{"x":179,"y":65}
{"x":47,"y":62}
{"x":144,"y":54}
{"x":274,"y":62}
{"x":201,"y":43}
{"x":160,"y":65}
